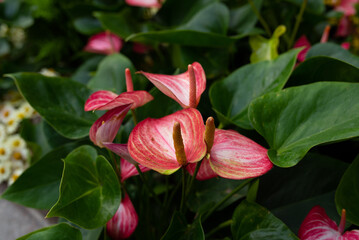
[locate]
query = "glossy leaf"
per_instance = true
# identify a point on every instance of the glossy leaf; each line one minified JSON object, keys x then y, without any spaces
{"x":61,"y":231}
{"x":347,"y":194}
{"x":87,"y":25}
{"x":181,"y":230}
{"x":110,"y":74}
{"x":89,"y":193}
{"x":59,"y":101}
{"x":334,"y":51}
{"x":252,"y":221}
{"x":323,"y":68}
{"x":231,"y":97}
{"x":243,"y":19}
{"x":151,"y":142}
{"x":299,"y":118}
{"x":38,"y":186}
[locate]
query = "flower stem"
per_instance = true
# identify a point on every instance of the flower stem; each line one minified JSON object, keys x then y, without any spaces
{"x":297,"y":23}
{"x":260,"y":18}
{"x":115,"y":166}
{"x":219,"y":227}
{"x":215,"y":207}
{"x":183,"y":189}
{"x":134,"y":116}
{"x":193,"y":177}
{"x":150,"y":190}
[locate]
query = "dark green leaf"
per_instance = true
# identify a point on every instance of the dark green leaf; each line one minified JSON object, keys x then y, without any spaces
{"x":314,"y":6}
{"x":84,"y":73}
{"x":231,"y":97}
{"x":322,"y":68}
{"x":243,"y":19}
{"x":252,"y":221}
{"x":252,"y":191}
{"x":347,"y":194}
{"x":61,"y":231}
{"x":299,"y":118}
{"x":38,"y":186}
{"x":110,"y":74}
{"x":334,"y":51}
{"x":87,"y":25}
{"x":90,"y":192}
{"x":179,"y":229}
{"x":59,"y":101}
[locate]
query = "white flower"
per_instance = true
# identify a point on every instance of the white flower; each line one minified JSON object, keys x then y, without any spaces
{"x":3,"y":30}
{"x":20,"y":154}
{"x":4,"y":152}
{"x":17,"y":37}
{"x":15,"y":142}
{"x":25,"y":110}
{"x":15,"y":175}
{"x":48,"y":72}
{"x":5,"y":171}
{"x":12,"y":124}
{"x":6,"y":112}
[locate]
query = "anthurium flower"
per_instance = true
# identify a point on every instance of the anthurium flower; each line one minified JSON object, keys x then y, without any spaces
{"x":124,"y":222}
{"x":318,"y":226}
{"x":129,"y":170}
{"x":185,"y":88}
{"x":232,"y":156}
{"x":152,"y":143}
{"x":145,"y":3}
{"x":104,"y":43}
{"x":106,"y":127}
{"x":106,"y":100}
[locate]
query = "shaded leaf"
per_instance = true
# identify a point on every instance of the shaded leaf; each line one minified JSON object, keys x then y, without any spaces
{"x":243,"y":19}
{"x":61,"y":231}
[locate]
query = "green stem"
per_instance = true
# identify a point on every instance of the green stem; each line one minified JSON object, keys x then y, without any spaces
{"x":220,"y":126}
{"x":297,"y":23}
{"x":260,"y":18}
{"x":115,"y":166}
{"x":215,"y":207}
{"x":172,"y":194}
{"x":219,"y":227}
{"x":134,"y":116}
{"x":183,"y":189}
{"x":147,"y":186}
{"x":193,"y":177}
{"x":166,"y":194}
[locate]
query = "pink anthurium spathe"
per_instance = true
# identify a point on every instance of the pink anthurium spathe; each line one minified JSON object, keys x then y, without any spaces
{"x":129,"y":170}
{"x":205,"y":171}
{"x":155,"y":143}
{"x":185,"y":88}
{"x":145,"y":3}
{"x":104,"y":43}
{"x":106,"y":127}
{"x":124,"y":222}
{"x":318,"y":226}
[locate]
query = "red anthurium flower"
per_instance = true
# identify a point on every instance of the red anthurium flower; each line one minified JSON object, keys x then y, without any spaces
{"x":104,"y":43}
{"x":318,"y":226}
{"x":168,"y":143}
{"x":145,"y":3}
{"x":106,"y":127}
{"x":128,"y":169}
{"x":302,"y":42}
{"x":205,"y":171}
{"x":347,"y":7}
{"x":106,"y":100}
{"x":124,"y":222}
{"x":185,"y":88}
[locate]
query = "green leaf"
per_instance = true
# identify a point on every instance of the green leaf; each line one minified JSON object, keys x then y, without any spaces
{"x":243,"y":19}
{"x":265,"y":49}
{"x":59,"y":101}
{"x":87,"y":25}
{"x":231,"y":97}
{"x":210,"y":192}
{"x":62,"y":231}
{"x":84,"y":73}
{"x":110,"y":74}
{"x":38,"y":186}
{"x":347,"y":194}
{"x":334,"y":51}
{"x":252,"y":191}
{"x":90,"y":192}
{"x":323,"y":68}
{"x":252,"y":221}
{"x":299,"y":118}
{"x":313,"y":6}
{"x":179,"y":229}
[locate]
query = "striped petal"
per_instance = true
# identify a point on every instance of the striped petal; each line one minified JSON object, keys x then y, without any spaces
{"x":318,"y":226}
{"x":104,"y":43}
{"x":145,"y":3}
{"x":235,"y":156}
{"x":205,"y":171}
{"x":106,"y":127}
{"x":124,"y":222}
{"x":121,"y":150}
{"x":177,"y":87}
{"x":106,"y":100}
{"x":151,"y":142}
{"x":128,"y":169}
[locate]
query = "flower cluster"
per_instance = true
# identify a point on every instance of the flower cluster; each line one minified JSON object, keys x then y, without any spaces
{"x":14,"y":153}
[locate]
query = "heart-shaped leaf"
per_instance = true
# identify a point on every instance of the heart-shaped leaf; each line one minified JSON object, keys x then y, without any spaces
{"x":59,"y":101}
{"x":181,"y":230}
{"x":90,"y":192}
{"x":61,"y":231}
{"x":347,"y":194}
{"x":38,"y":186}
{"x":252,"y":221}
{"x":231,"y":96}
{"x":299,"y":118}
